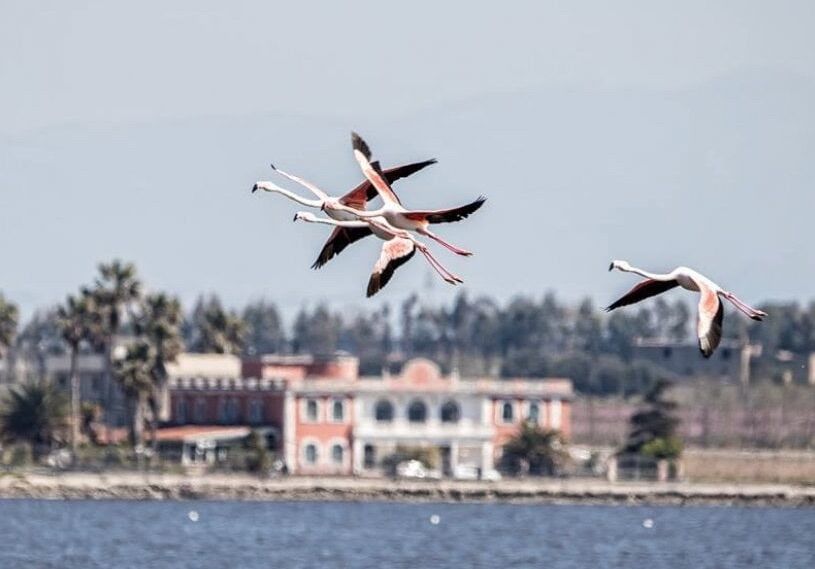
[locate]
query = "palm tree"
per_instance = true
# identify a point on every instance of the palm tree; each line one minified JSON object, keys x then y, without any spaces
{"x":117,"y":288}
{"x":134,"y":375}
{"x":160,"y":325}
{"x":34,"y":413}
{"x":536,"y":450}
{"x":9,"y":316}
{"x":78,"y":321}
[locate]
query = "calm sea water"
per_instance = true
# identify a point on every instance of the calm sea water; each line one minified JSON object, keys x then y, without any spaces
{"x":246,"y":535}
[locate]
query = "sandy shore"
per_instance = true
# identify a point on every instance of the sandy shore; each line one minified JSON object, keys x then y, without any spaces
{"x":137,"y":486}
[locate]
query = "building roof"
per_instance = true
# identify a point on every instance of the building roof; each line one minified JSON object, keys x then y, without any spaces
{"x":192,"y":433}
{"x":205,"y":365}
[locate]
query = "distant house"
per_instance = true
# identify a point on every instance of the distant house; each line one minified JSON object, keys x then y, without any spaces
{"x":731,"y":361}
{"x":328,"y":420}
{"x":93,"y":386}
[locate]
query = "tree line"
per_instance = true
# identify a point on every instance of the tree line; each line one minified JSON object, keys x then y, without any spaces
{"x":524,"y":336}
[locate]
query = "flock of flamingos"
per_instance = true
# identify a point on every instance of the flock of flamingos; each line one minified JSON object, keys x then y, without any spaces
{"x":395,"y":225}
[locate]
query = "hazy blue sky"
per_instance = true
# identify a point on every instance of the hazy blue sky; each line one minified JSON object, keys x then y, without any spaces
{"x":663,"y":133}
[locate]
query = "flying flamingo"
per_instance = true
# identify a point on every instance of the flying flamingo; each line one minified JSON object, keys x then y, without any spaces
{"x":398,"y":248}
{"x":711,"y":309}
{"x":393,"y":211}
{"x":341,"y":237}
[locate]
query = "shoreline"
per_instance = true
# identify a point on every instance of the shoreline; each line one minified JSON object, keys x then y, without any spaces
{"x":140,"y":486}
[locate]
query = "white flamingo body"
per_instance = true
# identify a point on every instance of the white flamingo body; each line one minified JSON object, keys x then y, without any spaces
{"x":398,"y":247}
{"x":392,"y":209}
{"x":710,"y":308}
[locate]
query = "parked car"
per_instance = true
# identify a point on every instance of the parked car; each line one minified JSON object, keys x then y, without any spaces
{"x":411,"y":469}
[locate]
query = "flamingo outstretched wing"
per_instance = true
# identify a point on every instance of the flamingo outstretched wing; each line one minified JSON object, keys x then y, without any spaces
{"x":447,"y":215}
{"x":365,"y":191}
{"x":709,"y":323}
{"x":395,"y":253}
{"x":339,"y":239}
{"x":363,"y":155}
{"x":641,"y":291}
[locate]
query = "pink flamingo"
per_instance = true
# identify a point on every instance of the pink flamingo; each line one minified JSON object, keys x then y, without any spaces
{"x":392,"y":210}
{"x":398,"y":248}
{"x":711,"y":309}
{"x":357,"y":198}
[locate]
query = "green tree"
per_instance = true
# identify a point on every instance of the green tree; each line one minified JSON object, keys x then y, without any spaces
{"x":258,"y":459}
{"x":134,"y":374}
{"x":39,"y":338}
{"x":534,"y":450}
{"x":159,"y":325}
{"x":213,"y":329}
{"x":9,"y":319}
{"x":78,"y":321}
{"x":116,"y":290}
{"x":36,"y":414}
{"x":264,"y":329}
{"x":653,"y":425}
{"x":317,"y":332}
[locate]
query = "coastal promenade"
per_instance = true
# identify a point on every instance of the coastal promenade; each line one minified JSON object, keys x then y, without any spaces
{"x":140,"y":486}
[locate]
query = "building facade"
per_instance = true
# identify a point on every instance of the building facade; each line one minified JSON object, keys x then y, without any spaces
{"x":330,"y":421}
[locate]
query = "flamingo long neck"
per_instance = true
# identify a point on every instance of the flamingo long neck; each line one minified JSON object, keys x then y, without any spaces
{"x":291,"y":195}
{"x":367,"y":214}
{"x":647,"y":275}
{"x":327,"y":221}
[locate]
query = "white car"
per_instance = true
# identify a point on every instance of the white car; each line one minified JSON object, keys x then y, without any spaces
{"x":411,"y":469}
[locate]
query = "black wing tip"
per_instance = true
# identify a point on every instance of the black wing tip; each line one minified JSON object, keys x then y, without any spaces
{"x":373,"y":287}
{"x":359,"y":144}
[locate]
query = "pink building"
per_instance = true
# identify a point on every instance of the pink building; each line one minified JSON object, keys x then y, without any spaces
{"x":328,"y":420}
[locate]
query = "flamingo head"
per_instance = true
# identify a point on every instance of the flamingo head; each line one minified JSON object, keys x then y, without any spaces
{"x":619,"y":265}
{"x":266,"y":186}
{"x":304,"y":216}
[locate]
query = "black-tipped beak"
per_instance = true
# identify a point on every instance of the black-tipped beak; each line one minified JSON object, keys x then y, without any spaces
{"x":295,"y":217}
{"x":272,"y":166}
{"x":254,"y":188}
{"x":322,"y":207}
{"x":611,"y":267}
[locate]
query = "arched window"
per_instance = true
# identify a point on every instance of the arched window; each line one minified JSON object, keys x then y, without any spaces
{"x":534,"y":413}
{"x":312,"y":410}
{"x":417,"y":411}
{"x":450,"y":412}
{"x":369,"y":456}
{"x":507,"y":414}
{"x":383,"y":411}
{"x":311,"y":453}
{"x":337,"y":453}
{"x":337,"y":411}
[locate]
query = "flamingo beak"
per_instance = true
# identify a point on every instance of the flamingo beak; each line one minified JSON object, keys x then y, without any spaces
{"x":322,"y":207}
{"x":254,"y":188}
{"x":611,"y":267}
{"x":295,"y":217}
